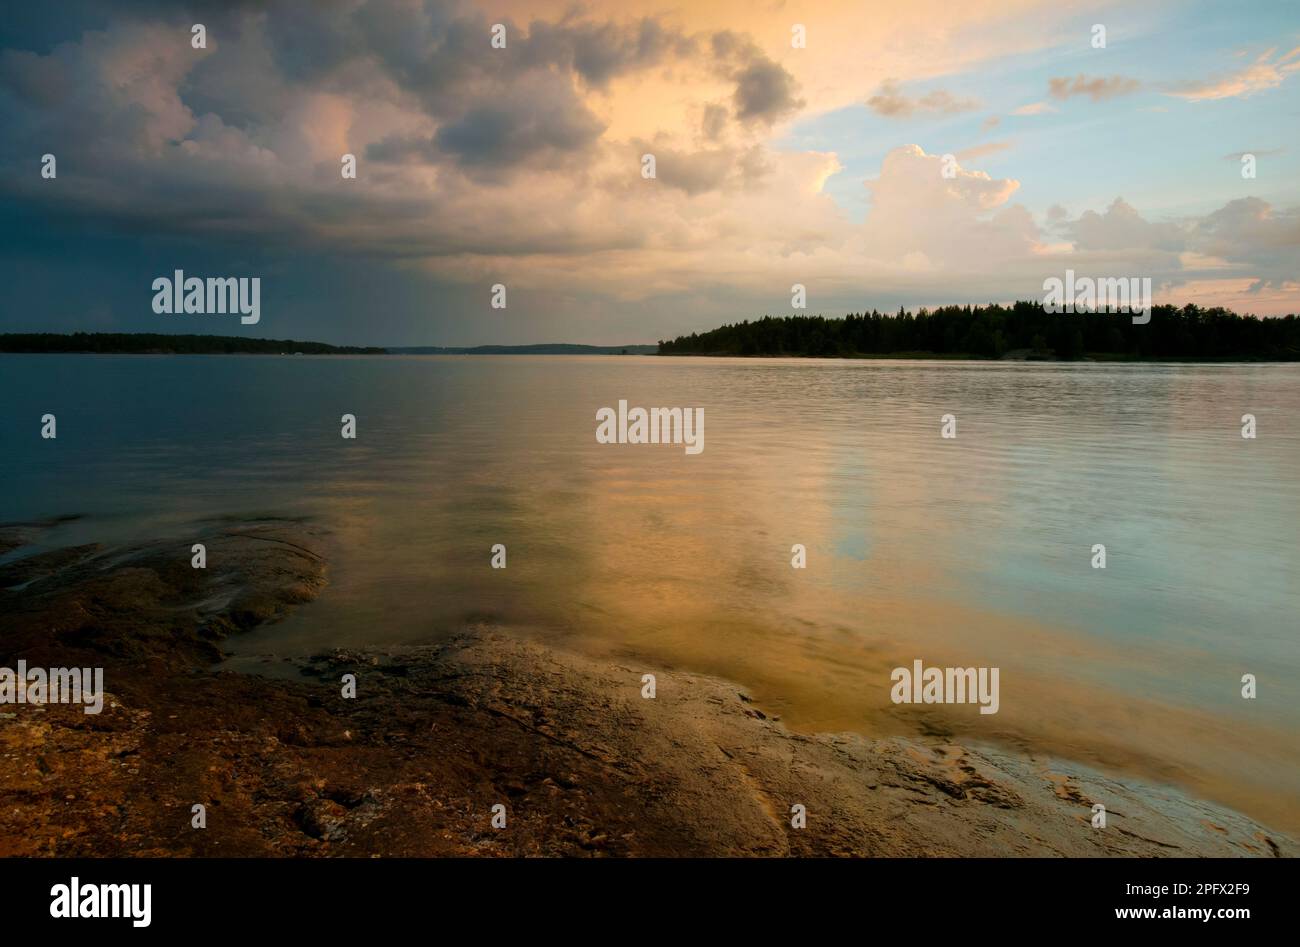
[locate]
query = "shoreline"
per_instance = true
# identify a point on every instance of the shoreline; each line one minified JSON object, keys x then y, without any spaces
{"x":439,"y":734}
{"x":1087,"y":359}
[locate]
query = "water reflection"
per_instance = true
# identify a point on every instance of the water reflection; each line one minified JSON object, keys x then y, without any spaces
{"x":972,"y":551}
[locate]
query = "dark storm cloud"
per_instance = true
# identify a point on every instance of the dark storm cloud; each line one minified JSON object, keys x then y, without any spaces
{"x":765,"y":91}
{"x":435,"y":53}
{"x":598,"y":52}
{"x":542,"y":119}
{"x":227,"y":159}
{"x":496,"y":107}
{"x":310,"y":38}
{"x":490,"y":110}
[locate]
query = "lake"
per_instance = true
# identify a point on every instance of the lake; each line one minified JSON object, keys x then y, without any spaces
{"x":970,"y":551}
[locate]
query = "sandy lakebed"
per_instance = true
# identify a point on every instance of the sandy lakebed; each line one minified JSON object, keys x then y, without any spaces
{"x":437,"y":735}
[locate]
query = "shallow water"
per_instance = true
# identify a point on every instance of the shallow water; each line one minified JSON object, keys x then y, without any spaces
{"x":972,"y":551}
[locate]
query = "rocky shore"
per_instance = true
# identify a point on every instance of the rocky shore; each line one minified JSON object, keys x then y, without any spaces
{"x":438,"y":735}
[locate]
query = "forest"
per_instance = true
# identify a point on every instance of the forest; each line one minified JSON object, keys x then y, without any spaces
{"x":1020,"y":330}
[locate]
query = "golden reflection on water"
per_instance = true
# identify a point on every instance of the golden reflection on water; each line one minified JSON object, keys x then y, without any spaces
{"x":967,"y":553}
{"x":821,"y":657}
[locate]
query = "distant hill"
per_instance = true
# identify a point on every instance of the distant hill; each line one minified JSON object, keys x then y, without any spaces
{"x":547,"y":348}
{"x":150,"y":343}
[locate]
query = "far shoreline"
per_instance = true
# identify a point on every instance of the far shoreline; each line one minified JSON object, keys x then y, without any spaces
{"x":19,"y":344}
{"x":1105,"y":339}
{"x":1091,"y":359}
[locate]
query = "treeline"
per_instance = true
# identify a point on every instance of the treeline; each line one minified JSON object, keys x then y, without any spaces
{"x":151,"y":343}
{"x":1023,"y":329}
{"x":544,"y":348}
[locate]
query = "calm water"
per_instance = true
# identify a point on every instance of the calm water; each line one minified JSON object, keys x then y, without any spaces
{"x":968,"y":551}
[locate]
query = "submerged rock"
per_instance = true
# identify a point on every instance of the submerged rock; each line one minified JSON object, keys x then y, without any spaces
{"x":439,"y":735}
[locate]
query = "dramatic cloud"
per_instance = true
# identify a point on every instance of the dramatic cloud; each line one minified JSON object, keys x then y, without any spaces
{"x":544,"y":120}
{"x":599,"y":52}
{"x":765,"y":91}
{"x":523,"y":165}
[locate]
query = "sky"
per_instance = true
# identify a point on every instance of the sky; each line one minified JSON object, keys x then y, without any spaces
{"x":903,"y":154}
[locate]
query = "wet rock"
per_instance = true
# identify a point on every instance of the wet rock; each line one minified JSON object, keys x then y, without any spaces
{"x":589,"y":769}
{"x":322,"y":819}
